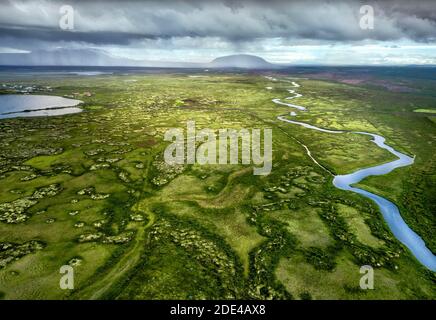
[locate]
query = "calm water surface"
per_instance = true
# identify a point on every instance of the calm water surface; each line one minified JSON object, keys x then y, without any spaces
{"x":18,"y":105}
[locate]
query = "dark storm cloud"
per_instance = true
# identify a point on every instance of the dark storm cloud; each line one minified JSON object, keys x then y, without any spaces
{"x":123,"y":22}
{"x":48,"y":34}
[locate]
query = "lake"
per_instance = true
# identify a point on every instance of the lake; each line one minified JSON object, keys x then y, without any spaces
{"x":17,"y":105}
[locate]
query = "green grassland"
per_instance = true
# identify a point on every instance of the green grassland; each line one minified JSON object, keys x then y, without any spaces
{"x":425,"y":110}
{"x":92,"y":190}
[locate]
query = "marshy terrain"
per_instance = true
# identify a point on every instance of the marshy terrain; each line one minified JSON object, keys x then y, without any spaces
{"x":92,"y":190}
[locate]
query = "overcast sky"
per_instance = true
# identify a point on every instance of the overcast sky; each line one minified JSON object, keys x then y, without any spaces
{"x":306,"y":32}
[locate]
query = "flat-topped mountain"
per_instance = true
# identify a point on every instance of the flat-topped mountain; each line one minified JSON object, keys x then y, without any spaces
{"x":244,"y":61}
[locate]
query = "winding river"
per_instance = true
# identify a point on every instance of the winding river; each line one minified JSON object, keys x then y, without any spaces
{"x":389,"y":210}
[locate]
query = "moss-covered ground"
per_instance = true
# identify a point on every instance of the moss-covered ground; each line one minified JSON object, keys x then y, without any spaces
{"x":92,"y":190}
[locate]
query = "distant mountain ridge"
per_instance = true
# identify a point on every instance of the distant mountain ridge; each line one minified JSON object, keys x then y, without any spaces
{"x":62,"y":57}
{"x":98,"y":58}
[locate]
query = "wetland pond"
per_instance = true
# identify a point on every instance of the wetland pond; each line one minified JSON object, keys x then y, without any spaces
{"x":18,"y":105}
